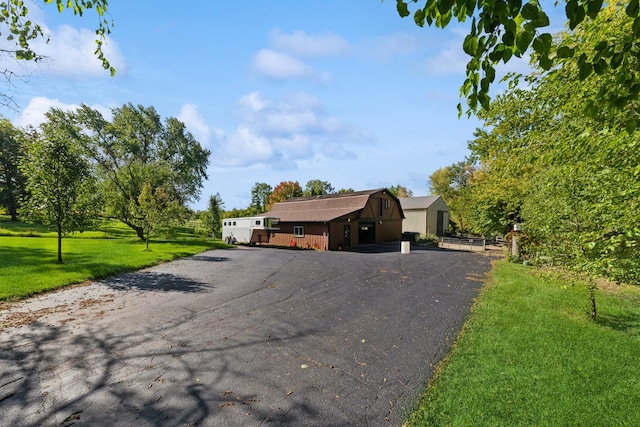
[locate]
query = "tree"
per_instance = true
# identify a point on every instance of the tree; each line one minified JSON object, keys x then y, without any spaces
{"x":316,"y":187}
{"x":59,"y":179}
{"x":12,"y":180}
{"x":400,"y":191}
{"x":212,"y":217}
{"x":260,"y":193}
{"x":20,"y":30}
{"x":504,"y":29}
{"x":283,"y":191}
{"x":452,"y":183}
{"x":137,"y":148}
{"x":569,"y":164}
{"x":154,"y":209}
{"x":345,"y":190}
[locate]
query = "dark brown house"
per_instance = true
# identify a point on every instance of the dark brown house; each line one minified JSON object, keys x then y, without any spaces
{"x":336,"y":221}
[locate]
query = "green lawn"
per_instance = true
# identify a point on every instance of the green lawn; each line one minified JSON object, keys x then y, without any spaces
{"x":28,"y":264}
{"x":529,"y":356}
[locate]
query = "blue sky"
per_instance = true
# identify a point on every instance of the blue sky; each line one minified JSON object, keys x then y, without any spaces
{"x":342,"y":91}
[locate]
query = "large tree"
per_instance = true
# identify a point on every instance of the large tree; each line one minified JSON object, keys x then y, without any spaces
{"x":135,"y":148}
{"x":12,"y":180}
{"x":316,"y":187}
{"x":59,"y":178}
{"x":260,"y":193}
{"x":212,"y":217}
{"x":284,"y":191}
{"x":500,"y":30}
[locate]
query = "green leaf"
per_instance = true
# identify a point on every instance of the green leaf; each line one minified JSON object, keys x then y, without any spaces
{"x":470,"y":44}
{"x":444,"y":6}
{"x":593,"y":8}
{"x":600,"y":67}
{"x":403,"y":9}
{"x":575,"y":13}
{"x":632,"y":8}
{"x":530,"y":12}
{"x":616,"y":60}
{"x":524,"y":40}
{"x":545,"y":62}
{"x":419,"y":17}
{"x":565,"y":52}
{"x":636,"y":27}
{"x":631,"y":126}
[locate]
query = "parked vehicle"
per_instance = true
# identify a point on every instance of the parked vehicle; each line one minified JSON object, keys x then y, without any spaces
{"x":249,"y":230}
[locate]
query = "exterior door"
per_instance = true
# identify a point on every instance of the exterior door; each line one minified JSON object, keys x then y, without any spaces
{"x":347,"y":236}
{"x":440,"y":224}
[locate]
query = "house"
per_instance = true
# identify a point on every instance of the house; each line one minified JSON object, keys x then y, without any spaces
{"x":425,"y":215}
{"x":336,"y":221}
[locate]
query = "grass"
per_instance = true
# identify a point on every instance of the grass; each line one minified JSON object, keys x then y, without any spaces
{"x":529,"y":356}
{"x":28,"y":264}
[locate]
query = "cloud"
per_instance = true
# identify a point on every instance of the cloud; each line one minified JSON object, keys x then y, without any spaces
{"x":281,"y":66}
{"x":193,"y":120}
{"x":285,"y":133}
{"x":34,"y":113}
{"x":301,"y":44}
{"x":70,"y":53}
{"x":282,"y":60}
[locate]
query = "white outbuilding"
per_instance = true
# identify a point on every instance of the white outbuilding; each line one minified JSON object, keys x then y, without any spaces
{"x":425,"y":215}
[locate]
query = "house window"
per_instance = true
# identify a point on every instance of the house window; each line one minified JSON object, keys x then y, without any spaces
{"x":234,"y":223}
{"x":257,"y":222}
{"x":298,"y":231}
{"x":386,"y":203}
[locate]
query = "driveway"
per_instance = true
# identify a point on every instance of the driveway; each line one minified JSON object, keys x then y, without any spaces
{"x":241,"y":337}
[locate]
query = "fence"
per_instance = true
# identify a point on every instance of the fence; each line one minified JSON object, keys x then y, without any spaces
{"x":475,"y":244}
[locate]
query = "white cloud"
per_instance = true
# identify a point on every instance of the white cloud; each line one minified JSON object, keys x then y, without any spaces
{"x":191,"y":117}
{"x":281,"y":66}
{"x":301,"y":44}
{"x":284,"y":134}
{"x":34,"y":113}
{"x":70,"y":53}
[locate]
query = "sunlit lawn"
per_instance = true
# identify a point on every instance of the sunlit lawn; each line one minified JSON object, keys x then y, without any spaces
{"x":28,"y":264}
{"x":529,"y":356}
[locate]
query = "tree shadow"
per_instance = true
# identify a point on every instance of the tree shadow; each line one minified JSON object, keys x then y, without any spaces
{"x":50,"y":375}
{"x":155,"y":281}
{"x":628,"y":323}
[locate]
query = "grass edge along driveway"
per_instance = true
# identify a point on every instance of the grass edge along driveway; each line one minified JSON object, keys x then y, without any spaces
{"x":528,"y":355}
{"x":28,"y":264}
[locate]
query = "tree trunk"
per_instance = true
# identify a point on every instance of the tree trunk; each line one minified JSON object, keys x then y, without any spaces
{"x":59,"y":243}
{"x":139,"y":230}
{"x":592,"y":298}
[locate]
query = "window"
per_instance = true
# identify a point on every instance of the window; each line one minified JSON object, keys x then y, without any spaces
{"x":298,"y":231}
{"x":257,"y":222}
{"x":386,"y":203}
{"x":234,"y":223}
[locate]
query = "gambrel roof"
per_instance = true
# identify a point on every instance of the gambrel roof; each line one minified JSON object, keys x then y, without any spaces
{"x":326,"y":207}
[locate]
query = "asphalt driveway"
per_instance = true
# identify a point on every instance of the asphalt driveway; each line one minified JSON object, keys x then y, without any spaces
{"x":240,"y":337}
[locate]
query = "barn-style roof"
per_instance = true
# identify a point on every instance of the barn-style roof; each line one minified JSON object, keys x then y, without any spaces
{"x":424,"y":202}
{"x":323,"y":208}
